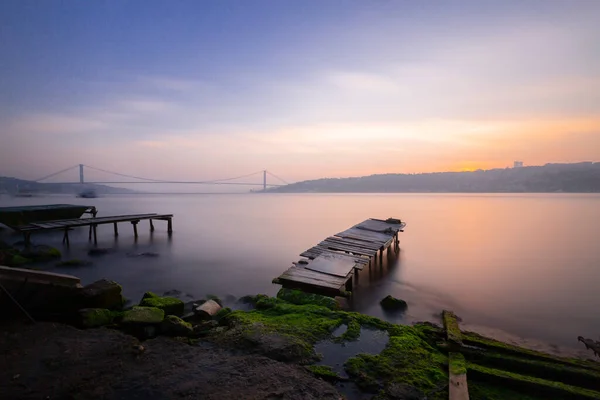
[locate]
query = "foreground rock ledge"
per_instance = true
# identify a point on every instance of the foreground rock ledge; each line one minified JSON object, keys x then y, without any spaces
{"x":107,"y":364}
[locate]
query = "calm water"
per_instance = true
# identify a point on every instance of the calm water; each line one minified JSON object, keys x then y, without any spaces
{"x":522,"y":265}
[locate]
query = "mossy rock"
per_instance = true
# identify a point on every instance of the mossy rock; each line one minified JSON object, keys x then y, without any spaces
{"x":456,"y":363}
{"x":41,"y":253}
{"x":300,"y":298}
{"x":223,"y":312}
{"x":324,"y":372}
{"x":75,"y":262}
{"x":172,"y":325}
{"x":95,"y":317}
{"x":451,"y":325}
{"x":170,"y":305}
{"x":103,"y":294}
{"x":214,"y":298}
{"x":17,"y":260}
{"x":143,"y":315}
{"x":390,"y":303}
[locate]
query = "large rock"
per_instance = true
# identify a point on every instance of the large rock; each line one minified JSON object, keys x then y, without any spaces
{"x":143,"y":315}
{"x":207,"y":310}
{"x":95,"y":317}
{"x":299,"y":297}
{"x":390,"y":303}
{"x":103,"y":294}
{"x":40,"y":253}
{"x":170,"y":305}
{"x":175,"y":326}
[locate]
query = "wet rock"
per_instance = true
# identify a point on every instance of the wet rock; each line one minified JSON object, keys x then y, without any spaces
{"x":175,"y":326}
{"x":277,"y":346}
{"x":95,"y":317}
{"x":103,"y":294}
{"x":143,"y":316}
{"x":40,"y":253}
{"x":170,"y":305}
{"x":215,"y":298}
{"x":390,"y":303}
{"x":402,"y":391}
{"x":207,"y":310}
{"x":590,"y":345}
{"x":145,"y":254}
{"x":98,"y":252}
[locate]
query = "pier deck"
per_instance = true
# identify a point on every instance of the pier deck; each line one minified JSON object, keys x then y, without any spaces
{"x":68,"y":224}
{"x":328,"y":267}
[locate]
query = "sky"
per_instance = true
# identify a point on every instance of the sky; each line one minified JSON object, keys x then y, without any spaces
{"x":195,"y":90}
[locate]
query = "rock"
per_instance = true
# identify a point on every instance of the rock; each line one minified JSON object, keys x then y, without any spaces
{"x":222,"y":313}
{"x":175,"y":326}
{"x":95,"y":317}
{"x":248,"y":299}
{"x":207,"y":310}
{"x":143,"y":315}
{"x":103,"y":294}
{"x":17,"y":260}
{"x":390,"y":303}
{"x":277,"y":346}
{"x":214,"y":298}
{"x":98,"y":252}
{"x":40,"y":253}
{"x":145,"y":254}
{"x":402,"y":391}
{"x":300,"y":298}
{"x":170,"y":305}
{"x":75,"y":262}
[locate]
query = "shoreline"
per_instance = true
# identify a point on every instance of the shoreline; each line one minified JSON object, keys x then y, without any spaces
{"x":412,"y":360}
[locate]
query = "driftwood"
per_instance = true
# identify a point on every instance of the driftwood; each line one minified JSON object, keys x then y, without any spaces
{"x":590,"y":345}
{"x":208,"y":309}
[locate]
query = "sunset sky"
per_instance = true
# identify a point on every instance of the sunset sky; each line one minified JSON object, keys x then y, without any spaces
{"x":188,"y":90}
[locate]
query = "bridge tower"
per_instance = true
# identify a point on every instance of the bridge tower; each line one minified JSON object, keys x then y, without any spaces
{"x":265,"y":180}
{"x":81,"y":173}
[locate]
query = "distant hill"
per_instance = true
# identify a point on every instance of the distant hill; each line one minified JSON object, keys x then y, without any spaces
{"x":574,"y":178}
{"x":13,"y":185}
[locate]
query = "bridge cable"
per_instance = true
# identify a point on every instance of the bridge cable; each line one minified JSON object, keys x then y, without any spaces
{"x":56,"y":173}
{"x":281,"y":179}
{"x":163,"y":181}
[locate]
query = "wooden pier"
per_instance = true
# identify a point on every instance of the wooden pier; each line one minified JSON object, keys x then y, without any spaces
{"x":328,"y":268}
{"x":67,"y":224}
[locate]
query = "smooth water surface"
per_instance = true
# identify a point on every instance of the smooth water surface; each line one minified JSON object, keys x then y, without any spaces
{"x":525,"y":264}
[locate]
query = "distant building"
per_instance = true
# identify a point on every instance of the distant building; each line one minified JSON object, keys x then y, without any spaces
{"x":518,"y":164}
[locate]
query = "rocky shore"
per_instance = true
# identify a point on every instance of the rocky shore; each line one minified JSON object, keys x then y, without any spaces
{"x":99,"y":347}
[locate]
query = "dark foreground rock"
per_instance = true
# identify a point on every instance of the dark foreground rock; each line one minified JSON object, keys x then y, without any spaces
{"x":102,"y":294}
{"x":57,"y":361}
{"x":390,"y":303}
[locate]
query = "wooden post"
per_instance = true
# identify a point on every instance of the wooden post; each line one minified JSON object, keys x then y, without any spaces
{"x":134,"y":223}
{"x":95,"y":234}
{"x":116,"y":229}
{"x":90,"y":233}
{"x":151,"y":226}
{"x":349,"y":285}
{"x":66,"y":237}
{"x":170,"y":225}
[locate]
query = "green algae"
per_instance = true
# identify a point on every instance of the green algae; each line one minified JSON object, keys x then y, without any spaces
{"x":486,"y":391}
{"x":18,"y":260}
{"x":528,"y":384}
{"x":324,"y":371}
{"x":174,"y":326}
{"x":170,"y":305}
{"x":407,"y":359}
{"x":143,"y":315}
{"x":451,"y":326}
{"x":298,"y":297}
{"x":95,"y":317}
{"x":222,"y":313}
{"x":457,"y":364}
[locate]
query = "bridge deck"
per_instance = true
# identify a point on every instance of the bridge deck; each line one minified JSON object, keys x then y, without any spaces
{"x":68,"y":224}
{"x":329,"y":266}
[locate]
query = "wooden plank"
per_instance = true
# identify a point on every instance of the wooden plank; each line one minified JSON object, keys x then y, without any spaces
{"x":362,"y":234}
{"x":331,"y":264}
{"x":316,"y":251}
{"x":379,"y":226}
{"x":354,"y":242}
{"x":19,"y":274}
{"x":458,"y":388}
{"x":302,"y":275}
{"x":352,"y":249}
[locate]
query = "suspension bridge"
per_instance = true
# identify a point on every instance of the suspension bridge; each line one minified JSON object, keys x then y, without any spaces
{"x":264,"y":174}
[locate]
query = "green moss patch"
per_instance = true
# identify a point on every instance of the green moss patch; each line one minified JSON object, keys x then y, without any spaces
{"x":529,"y":385}
{"x":299,"y":297}
{"x":407,"y":359}
{"x":95,"y":317}
{"x":17,"y":260}
{"x":172,"y":325}
{"x":143,"y":315}
{"x":324,"y":372}
{"x":170,"y":305}
{"x":457,"y":364}
{"x":451,"y":325}
{"x":223,"y":312}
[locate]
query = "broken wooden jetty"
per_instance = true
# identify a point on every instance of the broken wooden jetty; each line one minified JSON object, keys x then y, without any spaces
{"x":67,"y":224}
{"x":329,"y":267}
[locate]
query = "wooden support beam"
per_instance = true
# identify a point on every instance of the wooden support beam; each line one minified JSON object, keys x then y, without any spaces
{"x":90,"y":234}
{"x":116,"y":229}
{"x":151,"y":226}
{"x":66,"y":237}
{"x":170,"y":225}
{"x":134,"y":223}
{"x":95,"y":233}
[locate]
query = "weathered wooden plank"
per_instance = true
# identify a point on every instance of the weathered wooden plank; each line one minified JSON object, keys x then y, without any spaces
{"x":316,"y":251}
{"x":363,"y":234}
{"x":458,"y":388}
{"x":354,"y":242}
{"x":9,"y":273}
{"x":302,"y":275}
{"x":352,"y":249}
{"x":331,"y":264}
{"x":379,"y":226}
